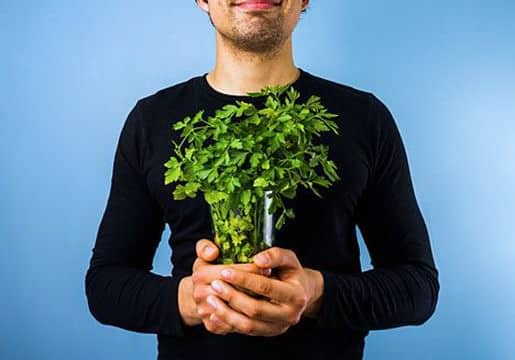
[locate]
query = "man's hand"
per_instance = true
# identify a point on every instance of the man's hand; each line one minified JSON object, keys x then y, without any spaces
{"x":203,"y":294}
{"x":296,"y":292}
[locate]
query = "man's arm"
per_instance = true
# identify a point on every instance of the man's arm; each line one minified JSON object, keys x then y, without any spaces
{"x":402,"y":288}
{"x":120,"y":289}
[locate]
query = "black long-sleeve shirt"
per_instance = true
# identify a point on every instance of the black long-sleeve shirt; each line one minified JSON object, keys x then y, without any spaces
{"x":375,"y":193}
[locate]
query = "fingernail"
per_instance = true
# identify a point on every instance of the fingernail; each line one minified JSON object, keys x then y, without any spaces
{"x":226,"y":273}
{"x":216,"y":286}
{"x":266,"y":272}
{"x":214,"y":319}
{"x":211,"y":302}
{"x":262,"y":259}
{"x":208,"y":250}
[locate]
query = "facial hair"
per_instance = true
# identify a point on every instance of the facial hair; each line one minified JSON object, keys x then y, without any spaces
{"x":245,"y":37}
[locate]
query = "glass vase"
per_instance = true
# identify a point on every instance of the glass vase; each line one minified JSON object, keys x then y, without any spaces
{"x":241,"y":232}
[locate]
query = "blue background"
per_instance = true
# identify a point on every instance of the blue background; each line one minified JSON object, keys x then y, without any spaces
{"x":71,"y":70}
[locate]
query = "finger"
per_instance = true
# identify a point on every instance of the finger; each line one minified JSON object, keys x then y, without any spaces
{"x":253,"y":308}
{"x":206,"y":250}
{"x":206,"y":312}
{"x":241,"y":323}
{"x":205,"y":274}
{"x":201,"y":292}
{"x":217,"y":326}
{"x":271,"y":288}
{"x":213,"y":323}
{"x":199,"y":263}
{"x":277,"y":257}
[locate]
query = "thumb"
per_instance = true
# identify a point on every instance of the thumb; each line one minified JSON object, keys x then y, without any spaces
{"x":206,"y":250}
{"x":277,"y":257}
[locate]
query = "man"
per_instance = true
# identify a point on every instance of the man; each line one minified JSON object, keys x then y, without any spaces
{"x":318,"y":304}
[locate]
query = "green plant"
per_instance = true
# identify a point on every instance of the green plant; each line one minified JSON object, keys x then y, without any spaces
{"x":239,"y":153}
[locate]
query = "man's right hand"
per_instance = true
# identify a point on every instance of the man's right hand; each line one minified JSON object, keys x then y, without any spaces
{"x":194,"y":289}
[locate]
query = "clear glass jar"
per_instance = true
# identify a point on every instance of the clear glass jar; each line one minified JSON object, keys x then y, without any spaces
{"x":239,"y":235}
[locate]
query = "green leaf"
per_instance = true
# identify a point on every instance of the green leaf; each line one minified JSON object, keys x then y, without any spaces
{"x":231,"y":184}
{"x":312,"y":100}
{"x":290,"y":214}
{"x":172,"y":163}
{"x":174,"y":171}
{"x":280,"y":172}
{"x":296,"y":163}
{"x":212,"y":175}
{"x":254,"y":119}
{"x":179,"y":193}
{"x":322,"y":182}
{"x":255,"y":159}
{"x":330,"y":115}
{"x":271,"y":103}
{"x":189,"y":152}
{"x":230,"y":107}
{"x":329,"y":169}
{"x":267,"y":112}
{"x":203,"y":174}
{"x":191,"y":189}
{"x":215,"y":196}
{"x":280,"y":221}
{"x":245,"y":197}
{"x":314,"y":190}
{"x":292,"y":94}
{"x":313,"y":162}
{"x":236,"y":144}
{"x":172,"y":175}
{"x":319,"y":125}
{"x":178,"y":125}
{"x":239,"y":159}
{"x":284,"y":117}
{"x":260,"y":182}
{"x":303,"y":113}
{"x":288,"y":191}
{"x":226,"y":111}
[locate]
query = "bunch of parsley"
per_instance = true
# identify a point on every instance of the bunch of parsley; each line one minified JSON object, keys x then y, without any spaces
{"x":240,"y":153}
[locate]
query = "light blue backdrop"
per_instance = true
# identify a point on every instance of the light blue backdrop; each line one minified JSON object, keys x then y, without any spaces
{"x":71,"y":70}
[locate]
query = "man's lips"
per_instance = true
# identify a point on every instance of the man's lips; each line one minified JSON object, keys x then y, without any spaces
{"x":258,"y":3}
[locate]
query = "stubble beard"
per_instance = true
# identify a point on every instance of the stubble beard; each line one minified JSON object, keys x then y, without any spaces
{"x":263,"y":39}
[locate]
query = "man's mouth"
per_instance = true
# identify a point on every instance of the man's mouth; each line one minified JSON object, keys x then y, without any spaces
{"x":258,"y":4}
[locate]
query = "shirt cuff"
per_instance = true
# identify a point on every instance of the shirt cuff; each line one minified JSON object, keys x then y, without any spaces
{"x":326,"y":315}
{"x":173,"y":322}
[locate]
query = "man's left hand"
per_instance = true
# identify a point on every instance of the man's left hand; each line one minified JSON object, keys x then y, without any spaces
{"x":296,"y":292}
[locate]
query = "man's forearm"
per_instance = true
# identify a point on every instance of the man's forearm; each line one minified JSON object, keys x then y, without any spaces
{"x":379,"y":299}
{"x":133,"y":299}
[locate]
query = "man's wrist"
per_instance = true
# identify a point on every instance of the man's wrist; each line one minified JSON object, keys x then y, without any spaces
{"x":316,"y":281}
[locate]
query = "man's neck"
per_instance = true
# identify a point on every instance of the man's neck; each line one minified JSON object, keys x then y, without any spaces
{"x":238,"y":73}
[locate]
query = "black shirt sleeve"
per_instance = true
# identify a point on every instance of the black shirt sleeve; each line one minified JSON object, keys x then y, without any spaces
{"x":120,"y":288}
{"x":402,"y":288}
